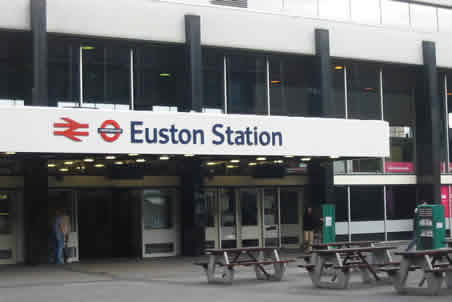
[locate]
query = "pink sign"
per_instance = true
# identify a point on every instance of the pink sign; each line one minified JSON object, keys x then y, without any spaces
{"x":445,"y":199}
{"x":399,"y":167}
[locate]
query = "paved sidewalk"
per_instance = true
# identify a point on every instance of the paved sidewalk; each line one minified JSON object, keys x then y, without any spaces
{"x":171,"y":279}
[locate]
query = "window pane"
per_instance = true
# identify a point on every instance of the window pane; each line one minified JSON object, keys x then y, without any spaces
{"x":248,"y":202}
{"x":157,"y":209}
{"x":160,"y":79}
{"x":247,"y":84}
{"x":213,"y":80}
{"x":334,"y":9}
{"x":423,"y":17}
{"x":64,"y":68}
{"x":292,"y":87}
{"x":366,"y":11}
{"x":449,"y":111}
{"x":15,"y":69}
{"x":5,"y":213}
{"x":371,"y":165}
{"x":341,"y":198}
{"x":106,"y":74}
{"x":399,"y":89}
{"x":367,"y":203}
{"x":338,"y":92}
{"x":395,"y":13}
{"x":400,"y":202}
{"x":289,"y":207}
{"x":364,"y":95}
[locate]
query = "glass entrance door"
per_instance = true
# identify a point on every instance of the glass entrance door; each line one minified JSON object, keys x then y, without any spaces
{"x":8,"y":252}
{"x":270,"y":213}
{"x":249,"y":217}
{"x":212,"y":229}
{"x":291,"y":201}
{"x":228,"y":217}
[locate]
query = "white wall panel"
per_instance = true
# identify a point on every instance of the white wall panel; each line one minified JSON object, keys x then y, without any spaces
{"x":358,"y":179}
{"x":232,"y":27}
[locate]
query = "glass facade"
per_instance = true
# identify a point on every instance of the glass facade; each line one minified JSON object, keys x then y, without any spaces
{"x":160,"y":78}
{"x":15,"y":69}
{"x":157,"y":209}
{"x":293,"y":89}
{"x":247,"y":84}
{"x":64,"y":72}
{"x":106,"y":75}
{"x":399,"y":91}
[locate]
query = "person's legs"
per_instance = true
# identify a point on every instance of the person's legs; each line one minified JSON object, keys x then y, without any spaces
{"x":310,"y":240}
{"x":59,"y":259}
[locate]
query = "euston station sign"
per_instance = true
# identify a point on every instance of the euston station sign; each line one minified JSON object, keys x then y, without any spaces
{"x":54,"y":130}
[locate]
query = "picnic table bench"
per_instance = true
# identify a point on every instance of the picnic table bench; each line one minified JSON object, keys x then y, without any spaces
{"x":257,"y":257}
{"x":343,"y":260}
{"x":436,"y":266}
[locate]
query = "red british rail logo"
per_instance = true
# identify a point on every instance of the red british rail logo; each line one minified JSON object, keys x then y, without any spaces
{"x":72,"y":128}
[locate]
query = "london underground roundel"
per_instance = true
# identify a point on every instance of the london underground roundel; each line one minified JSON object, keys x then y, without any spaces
{"x":110,"y":131}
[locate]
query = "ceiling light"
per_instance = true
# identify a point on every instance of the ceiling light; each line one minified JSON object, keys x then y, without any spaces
{"x":449,"y":93}
{"x":334,"y":157}
{"x":165,"y":75}
{"x":261,"y":158}
{"x":88,"y":47}
{"x":51,"y":165}
{"x":288,"y":156}
{"x":234,"y":161}
{"x":110,"y":157}
{"x":276,"y":82}
{"x":279,"y":161}
{"x":369,"y":89}
{"x":10,"y":153}
{"x":231,"y":166}
{"x":164,"y":157}
{"x":338,"y":67}
{"x":252,"y":164}
{"x":88,"y":160}
{"x":68,"y":163}
{"x":140,"y":160}
{"x":119,"y":163}
{"x":306,"y":159}
{"x":99,"y":165}
{"x":133,"y":154}
{"x":189,"y":155}
{"x":211,"y":163}
{"x":63,"y":170}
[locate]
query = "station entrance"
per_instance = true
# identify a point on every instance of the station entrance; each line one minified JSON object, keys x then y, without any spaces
{"x":254,"y":217}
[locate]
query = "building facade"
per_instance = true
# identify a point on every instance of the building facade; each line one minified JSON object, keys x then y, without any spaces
{"x":238,"y":115}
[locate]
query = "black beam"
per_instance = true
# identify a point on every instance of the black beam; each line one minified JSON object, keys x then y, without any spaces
{"x":321,"y":172}
{"x":38,"y":12}
{"x":428,"y":125}
{"x":194,"y":59}
{"x":322,"y":48}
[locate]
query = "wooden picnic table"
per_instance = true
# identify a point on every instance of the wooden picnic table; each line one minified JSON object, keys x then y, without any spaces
{"x":259,"y":257}
{"x":342,"y":244}
{"x":343,"y":260}
{"x":436,"y":265}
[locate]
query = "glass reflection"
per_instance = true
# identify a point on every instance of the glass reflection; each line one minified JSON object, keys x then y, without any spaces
{"x":247,"y":84}
{"x":213,"y":80}
{"x":106,"y":75}
{"x":160,"y":78}
{"x":399,"y":91}
{"x":293,"y":89}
